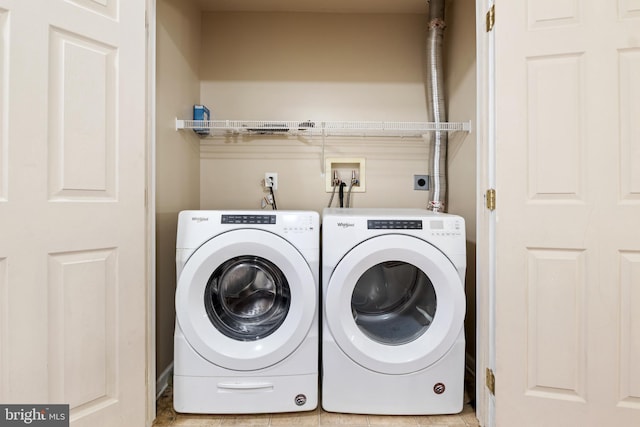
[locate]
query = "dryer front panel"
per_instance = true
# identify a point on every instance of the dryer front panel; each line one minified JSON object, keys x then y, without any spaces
{"x":246,"y":299}
{"x":395,"y":304}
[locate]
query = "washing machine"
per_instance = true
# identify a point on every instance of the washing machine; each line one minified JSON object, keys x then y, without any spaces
{"x":393,"y":311}
{"x":247,"y":321}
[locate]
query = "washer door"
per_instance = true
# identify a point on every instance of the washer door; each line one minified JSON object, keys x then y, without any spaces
{"x":395,"y":304}
{"x":246,"y":299}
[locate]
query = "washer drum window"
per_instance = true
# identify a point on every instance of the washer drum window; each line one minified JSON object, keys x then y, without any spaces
{"x":247,"y":298}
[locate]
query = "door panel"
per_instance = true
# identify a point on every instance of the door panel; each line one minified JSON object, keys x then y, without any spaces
{"x":629,"y":62}
{"x":568,"y":233}
{"x":83,"y":118}
{"x":72,"y":208}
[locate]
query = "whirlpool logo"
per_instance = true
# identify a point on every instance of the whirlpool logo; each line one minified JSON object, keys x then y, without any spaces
{"x":199,"y":219}
{"x":34,"y":415}
{"x":346,"y":225}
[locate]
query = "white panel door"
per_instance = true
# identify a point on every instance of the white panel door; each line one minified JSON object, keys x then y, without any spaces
{"x":72,"y":207}
{"x":568,"y":213}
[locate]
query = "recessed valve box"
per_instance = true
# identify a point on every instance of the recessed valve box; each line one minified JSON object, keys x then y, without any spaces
{"x":345,"y":169}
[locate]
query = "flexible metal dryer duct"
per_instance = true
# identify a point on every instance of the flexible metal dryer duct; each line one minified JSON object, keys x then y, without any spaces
{"x":437,"y":140}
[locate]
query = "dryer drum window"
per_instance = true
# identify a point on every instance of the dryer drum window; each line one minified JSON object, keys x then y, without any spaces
{"x":393,"y":302}
{"x":247,"y":298}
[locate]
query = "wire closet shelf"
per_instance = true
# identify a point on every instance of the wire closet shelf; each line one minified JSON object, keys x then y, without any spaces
{"x":328,"y":128}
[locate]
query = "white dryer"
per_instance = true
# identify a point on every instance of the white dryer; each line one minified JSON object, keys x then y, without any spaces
{"x":393,"y":311}
{"x":247,"y":297}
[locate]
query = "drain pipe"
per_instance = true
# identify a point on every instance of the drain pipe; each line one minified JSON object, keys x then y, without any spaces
{"x":436,"y":140}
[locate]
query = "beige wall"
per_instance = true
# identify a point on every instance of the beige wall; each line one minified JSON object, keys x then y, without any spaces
{"x":300,"y":66}
{"x":460,"y":82}
{"x":177,"y":153}
{"x":279,"y":66}
{"x":231,"y":176}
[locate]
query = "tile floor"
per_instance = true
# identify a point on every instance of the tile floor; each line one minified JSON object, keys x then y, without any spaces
{"x":166,"y":416}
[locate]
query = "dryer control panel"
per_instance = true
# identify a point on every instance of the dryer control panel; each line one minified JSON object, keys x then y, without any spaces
{"x":446,"y":228}
{"x":436,"y":227}
{"x":394,"y":224}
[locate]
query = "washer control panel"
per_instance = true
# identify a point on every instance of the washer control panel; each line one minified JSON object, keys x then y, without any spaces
{"x":298,"y":224}
{"x":286,"y":223}
{"x":248,"y":219}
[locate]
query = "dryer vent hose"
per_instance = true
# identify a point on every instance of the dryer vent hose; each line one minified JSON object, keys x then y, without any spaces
{"x":437,"y":141}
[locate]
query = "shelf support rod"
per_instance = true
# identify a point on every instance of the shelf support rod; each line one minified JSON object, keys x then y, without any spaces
{"x":324,"y":134}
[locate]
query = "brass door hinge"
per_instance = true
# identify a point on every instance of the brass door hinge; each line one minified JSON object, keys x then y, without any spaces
{"x":491,"y":18}
{"x":490,"y":381}
{"x":491,"y":199}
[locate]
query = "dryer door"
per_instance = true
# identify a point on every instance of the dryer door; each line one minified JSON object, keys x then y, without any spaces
{"x":246,"y":299}
{"x":395,"y":304}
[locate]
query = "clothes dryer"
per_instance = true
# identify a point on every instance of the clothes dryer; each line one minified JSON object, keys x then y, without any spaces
{"x":246,"y":336}
{"x":393,"y":311}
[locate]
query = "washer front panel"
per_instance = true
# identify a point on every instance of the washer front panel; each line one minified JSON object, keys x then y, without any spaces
{"x":420,"y":320}
{"x":275,"y":257}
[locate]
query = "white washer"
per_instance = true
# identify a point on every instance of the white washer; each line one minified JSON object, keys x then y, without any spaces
{"x":393,"y":311}
{"x":246,"y":337}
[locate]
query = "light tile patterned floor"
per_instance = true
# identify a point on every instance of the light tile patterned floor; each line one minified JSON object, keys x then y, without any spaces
{"x":168,"y":417}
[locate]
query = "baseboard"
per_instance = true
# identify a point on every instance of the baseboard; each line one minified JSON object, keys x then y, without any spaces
{"x":162,"y":382}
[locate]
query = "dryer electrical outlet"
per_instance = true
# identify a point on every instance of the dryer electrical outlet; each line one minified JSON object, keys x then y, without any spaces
{"x":421,"y":182}
{"x":345,"y":168}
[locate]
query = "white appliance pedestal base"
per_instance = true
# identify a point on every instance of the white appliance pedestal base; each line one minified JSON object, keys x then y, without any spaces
{"x":348,"y":387}
{"x":243,"y":395}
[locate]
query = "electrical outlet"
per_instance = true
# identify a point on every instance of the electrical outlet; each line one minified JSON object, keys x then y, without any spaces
{"x":271,"y":180}
{"x":421,"y":182}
